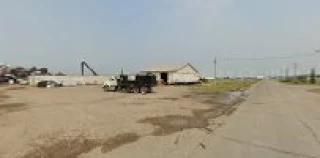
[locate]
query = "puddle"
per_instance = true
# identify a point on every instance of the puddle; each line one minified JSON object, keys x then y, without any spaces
{"x":74,"y":147}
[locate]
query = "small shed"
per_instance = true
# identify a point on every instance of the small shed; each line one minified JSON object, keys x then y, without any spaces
{"x":177,"y":74}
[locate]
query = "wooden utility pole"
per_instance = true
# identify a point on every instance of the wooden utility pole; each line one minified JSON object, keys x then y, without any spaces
{"x":215,"y":70}
{"x":287,"y":71}
{"x":295,"y":66}
{"x":121,"y":72}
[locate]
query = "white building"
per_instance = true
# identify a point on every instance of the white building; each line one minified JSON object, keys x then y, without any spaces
{"x":180,"y":74}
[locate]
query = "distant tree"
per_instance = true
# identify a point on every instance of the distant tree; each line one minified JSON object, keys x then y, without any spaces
{"x":313,"y":76}
{"x":302,"y":78}
{"x":60,"y":74}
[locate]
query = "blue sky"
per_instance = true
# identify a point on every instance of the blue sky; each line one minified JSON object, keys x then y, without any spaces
{"x":111,"y":34}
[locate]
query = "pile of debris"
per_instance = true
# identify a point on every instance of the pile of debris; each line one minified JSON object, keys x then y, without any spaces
{"x":19,"y":75}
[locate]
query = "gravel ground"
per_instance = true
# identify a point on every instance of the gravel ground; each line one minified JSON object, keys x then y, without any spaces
{"x":73,"y":121}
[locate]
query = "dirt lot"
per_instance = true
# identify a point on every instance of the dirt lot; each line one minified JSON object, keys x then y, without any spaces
{"x":70,"y":122}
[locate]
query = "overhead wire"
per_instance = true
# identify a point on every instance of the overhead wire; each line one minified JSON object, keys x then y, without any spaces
{"x":269,"y":58}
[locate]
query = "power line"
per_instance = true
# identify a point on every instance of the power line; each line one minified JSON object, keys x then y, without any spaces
{"x":317,"y":52}
{"x":295,"y":67}
{"x":269,"y":58}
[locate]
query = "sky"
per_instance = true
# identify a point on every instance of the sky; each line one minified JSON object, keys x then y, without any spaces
{"x":110,"y":34}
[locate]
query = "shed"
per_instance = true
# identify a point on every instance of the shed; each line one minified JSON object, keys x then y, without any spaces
{"x":176,"y":74}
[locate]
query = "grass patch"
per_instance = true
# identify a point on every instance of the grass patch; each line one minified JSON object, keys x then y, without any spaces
{"x":222,"y":86}
{"x":300,"y":83}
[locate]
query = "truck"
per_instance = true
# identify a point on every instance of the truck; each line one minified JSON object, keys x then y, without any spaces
{"x":141,"y":83}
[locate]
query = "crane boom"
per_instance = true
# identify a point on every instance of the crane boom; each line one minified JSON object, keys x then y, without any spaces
{"x":84,"y":64}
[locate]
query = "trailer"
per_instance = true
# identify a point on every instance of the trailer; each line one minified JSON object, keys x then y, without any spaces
{"x":130,"y":83}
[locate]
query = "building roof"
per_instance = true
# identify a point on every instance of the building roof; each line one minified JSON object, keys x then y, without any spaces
{"x":169,"y":68}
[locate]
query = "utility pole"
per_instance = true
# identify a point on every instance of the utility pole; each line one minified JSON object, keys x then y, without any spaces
{"x":295,"y":66}
{"x":281,"y":73}
{"x":215,"y":70}
{"x":121,"y":72}
{"x":287,"y":74}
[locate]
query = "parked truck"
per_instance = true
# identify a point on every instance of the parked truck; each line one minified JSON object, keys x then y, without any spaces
{"x":141,"y":83}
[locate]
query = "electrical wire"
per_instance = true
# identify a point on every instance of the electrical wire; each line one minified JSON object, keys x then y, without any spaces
{"x":269,"y":58}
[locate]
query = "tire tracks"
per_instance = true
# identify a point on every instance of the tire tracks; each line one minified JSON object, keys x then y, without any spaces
{"x":262,"y":146}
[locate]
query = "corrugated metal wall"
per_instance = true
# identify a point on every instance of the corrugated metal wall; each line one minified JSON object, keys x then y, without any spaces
{"x":185,"y":75}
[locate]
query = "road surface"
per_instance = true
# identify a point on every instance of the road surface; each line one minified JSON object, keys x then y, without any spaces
{"x":276,"y":121}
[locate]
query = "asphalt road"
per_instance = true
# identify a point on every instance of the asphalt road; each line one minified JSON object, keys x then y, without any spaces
{"x":277,"y":121}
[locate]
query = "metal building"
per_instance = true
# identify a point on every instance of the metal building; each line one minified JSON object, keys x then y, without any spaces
{"x":178,"y":74}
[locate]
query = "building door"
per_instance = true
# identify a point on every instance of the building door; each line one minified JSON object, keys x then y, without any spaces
{"x":164,"y":77}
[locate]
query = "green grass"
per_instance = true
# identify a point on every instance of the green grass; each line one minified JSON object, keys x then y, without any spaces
{"x":299,"y":83}
{"x":222,"y":86}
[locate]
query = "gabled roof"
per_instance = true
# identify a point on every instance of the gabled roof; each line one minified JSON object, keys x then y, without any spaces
{"x":169,"y":68}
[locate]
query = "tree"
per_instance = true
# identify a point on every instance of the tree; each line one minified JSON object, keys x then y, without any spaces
{"x":313,"y":76}
{"x":60,"y":74}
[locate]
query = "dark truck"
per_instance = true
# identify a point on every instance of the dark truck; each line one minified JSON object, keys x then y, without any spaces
{"x":131,"y":83}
